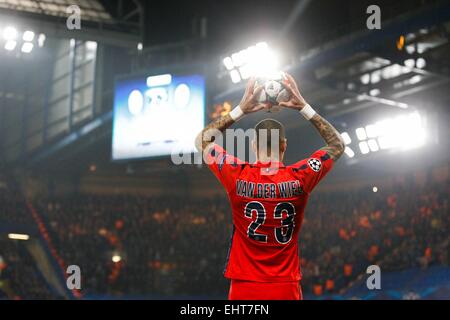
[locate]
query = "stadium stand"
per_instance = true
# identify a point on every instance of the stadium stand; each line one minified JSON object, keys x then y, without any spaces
{"x":398,"y":228}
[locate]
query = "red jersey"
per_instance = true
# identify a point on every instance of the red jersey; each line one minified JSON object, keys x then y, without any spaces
{"x":268,"y":203}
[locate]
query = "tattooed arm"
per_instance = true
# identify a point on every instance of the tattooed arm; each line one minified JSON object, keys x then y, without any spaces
{"x":335,"y":144}
{"x":206,"y":137}
{"x":247,"y":105}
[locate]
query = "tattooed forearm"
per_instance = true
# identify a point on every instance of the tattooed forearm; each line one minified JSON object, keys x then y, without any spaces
{"x":204,"y":139}
{"x":335,"y":144}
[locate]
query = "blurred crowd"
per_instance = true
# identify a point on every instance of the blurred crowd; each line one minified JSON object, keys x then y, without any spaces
{"x":138,"y":246}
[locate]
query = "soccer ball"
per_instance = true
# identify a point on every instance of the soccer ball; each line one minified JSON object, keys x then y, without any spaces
{"x":274,"y":92}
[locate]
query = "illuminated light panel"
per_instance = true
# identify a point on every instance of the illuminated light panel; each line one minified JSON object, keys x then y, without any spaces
{"x":374,"y":92}
{"x":18,"y":236}
{"x":41,"y":40}
{"x":421,"y":63}
{"x":10,"y":33}
{"x":349,"y":152}
{"x":373,"y":145}
{"x":10,"y":45}
{"x":28,"y":36}
{"x":235,"y":77}
{"x":228,"y":63}
{"x":27,"y":47}
{"x":346,"y":138}
{"x":372,"y":131}
{"x":361,"y":134}
{"x":364,"y":147}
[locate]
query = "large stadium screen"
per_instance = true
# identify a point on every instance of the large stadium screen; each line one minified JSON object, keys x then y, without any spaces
{"x":157,"y":115}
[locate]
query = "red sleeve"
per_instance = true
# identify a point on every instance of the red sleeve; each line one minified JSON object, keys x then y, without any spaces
{"x":224,"y":166}
{"x":314,"y":168}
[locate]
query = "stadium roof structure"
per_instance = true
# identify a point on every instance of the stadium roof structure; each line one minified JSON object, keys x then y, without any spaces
{"x":123,"y":28}
{"x":92,"y":10}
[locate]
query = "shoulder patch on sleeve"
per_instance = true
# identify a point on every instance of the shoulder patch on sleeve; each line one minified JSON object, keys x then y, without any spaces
{"x":315,"y":164}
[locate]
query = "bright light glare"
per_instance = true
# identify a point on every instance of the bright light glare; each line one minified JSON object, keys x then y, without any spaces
{"x":372,"y":131}
{"x":228,"y":63}
{"x":365,"y":78}
{"x":10,"y":45}
{"x":361,"y":134}
{"x":375,"y":189}
{"x":349,"y":152}
{"x":363,"y":147}
{"x":421,"y":63}
{"x":410,"y":63}
{"x":27,"y":47}
{"x":404,"y":132}
{"x":28,"y":36}
{"x":10,"y":33}
{"x":258,"y":60}
{"x":374,"y":92}
{"x":346,"y":138}
{"x":235,"y":77}
{"x":41,"y":40}
{"x":116,"y":258}
{"x":373,"y":145}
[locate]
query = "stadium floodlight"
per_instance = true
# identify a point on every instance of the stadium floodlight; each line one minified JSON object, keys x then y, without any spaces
{"x":228,"y":62}
{"x":421,"y":63}
{"x":235,"y":77}
{"x":372,"y":131}
{"x":385,"y":143}
{"x":346,"y":137}
{"x":258,"y":60}
{"x":10,"y":45}
{"x":410,"y":63}
{"x":373,"y":145}
{"x":10,"y":33}
{"x":361,"y":134}
{"x":41,"y":40}
{"x":27,"y":47}
{"x":375,"y":77}
{"x":116,"y":258}
{"x":18,"y":236}
{"x":364,"y":147}
{"x":349,"y":152}
{"x":414,"y":79}
{"x":365,"y":78}
{"x":28,"y":36}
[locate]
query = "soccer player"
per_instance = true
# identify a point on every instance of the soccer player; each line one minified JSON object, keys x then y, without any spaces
{"x":268,"y":199}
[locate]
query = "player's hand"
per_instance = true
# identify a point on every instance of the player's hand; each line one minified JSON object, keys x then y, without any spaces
{"x":296,"y":100}
{"x":249,"y":102}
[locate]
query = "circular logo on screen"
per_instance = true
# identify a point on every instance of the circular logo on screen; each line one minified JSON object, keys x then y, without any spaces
{"x":182,"y":95}
{"x":135,"y":102}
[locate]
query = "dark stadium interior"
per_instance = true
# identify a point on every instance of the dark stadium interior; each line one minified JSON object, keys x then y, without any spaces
{"x":149,"y":229}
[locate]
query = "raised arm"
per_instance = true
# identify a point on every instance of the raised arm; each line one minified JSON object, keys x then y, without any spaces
{"x":247,"y":105}
{"x":335,"y":144}
{"x":204,"y":139}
